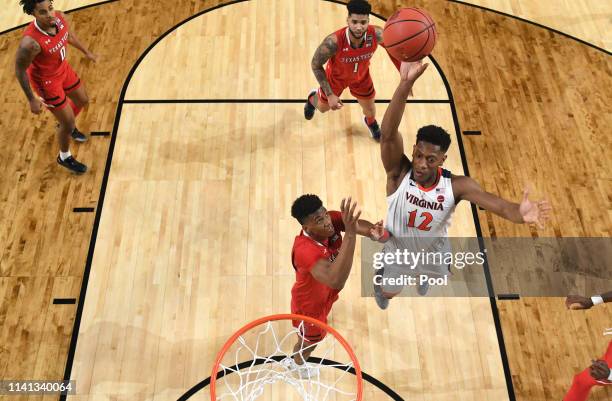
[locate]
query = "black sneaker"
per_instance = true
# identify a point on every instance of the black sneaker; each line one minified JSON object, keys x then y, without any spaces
{"x":72,"y":164}
{"x":374,"y":129}
{"x":78,"y":136}
{"x":309,"y":109}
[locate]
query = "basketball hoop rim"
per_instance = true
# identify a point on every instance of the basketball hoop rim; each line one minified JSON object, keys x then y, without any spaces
{"x":286,"y":316}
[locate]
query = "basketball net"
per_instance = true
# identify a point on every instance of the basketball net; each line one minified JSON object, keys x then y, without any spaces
{"x":256,"y":364}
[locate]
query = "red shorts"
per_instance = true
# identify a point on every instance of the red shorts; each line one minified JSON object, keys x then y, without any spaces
{"x":363,"y":89}
{"x":53,"y":90}
{"x":310,"y":332}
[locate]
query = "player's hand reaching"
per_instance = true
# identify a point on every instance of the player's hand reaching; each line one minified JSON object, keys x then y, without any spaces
{"x":534,"y":212}
{"x":334,"y":102}
{"x":349,"y":217}
{"x":410,"y":72}
{"x":91,"y":56}
{"x":578,"y":302}
{"x":599,"y":370}
{"x":36,"y":106}
{"x":377,"y":232}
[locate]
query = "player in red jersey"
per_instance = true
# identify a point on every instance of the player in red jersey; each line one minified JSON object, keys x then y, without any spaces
{"x":600,"y":372}
{"x":41,"y":63}
{"x":347,"y":53}
{"x":322,"y":260}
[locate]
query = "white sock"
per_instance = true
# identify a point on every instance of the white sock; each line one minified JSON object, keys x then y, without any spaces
{"x":65,"y":155}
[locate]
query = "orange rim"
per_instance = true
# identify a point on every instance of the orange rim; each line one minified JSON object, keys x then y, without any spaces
{"x":287,"y":316}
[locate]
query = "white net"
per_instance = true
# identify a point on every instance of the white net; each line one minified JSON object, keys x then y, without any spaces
{"x":260,"y":365}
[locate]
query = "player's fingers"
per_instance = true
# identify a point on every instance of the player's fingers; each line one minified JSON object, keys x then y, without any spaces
{"x":423,"y":68}
{"x":357,"y":215}
{"x":598,"y":371}
{"x":342,"y":205}
{"x":600,"y":363}
{"x":347,"y":206}
{"x":353,"y":207}
{"x":525,"y":194}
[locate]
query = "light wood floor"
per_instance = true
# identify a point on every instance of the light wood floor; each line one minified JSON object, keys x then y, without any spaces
{"x":589,"y":20}
{"x":187,"y":250}
{"x":34,"y":272}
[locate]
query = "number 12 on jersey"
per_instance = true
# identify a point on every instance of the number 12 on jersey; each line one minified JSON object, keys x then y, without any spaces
{"x":63,"y":52}
{"x":424,"y":220}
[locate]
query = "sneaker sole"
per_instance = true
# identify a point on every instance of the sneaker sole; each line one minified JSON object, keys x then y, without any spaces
{"x":71,"y":170}
{"x":371,"y":136}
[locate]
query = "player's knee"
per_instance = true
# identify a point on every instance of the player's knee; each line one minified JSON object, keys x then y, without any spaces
{"x":83,"y":101}
{"x":67,"y":126}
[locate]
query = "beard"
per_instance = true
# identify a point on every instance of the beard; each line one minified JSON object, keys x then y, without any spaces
{"x":355,"y":36}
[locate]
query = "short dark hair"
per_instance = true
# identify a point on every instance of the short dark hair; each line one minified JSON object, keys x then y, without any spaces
{"x":30,"y":5}
{"x":434,"y":135}
{"x":304,"y":206}
{"x":359,"y":7}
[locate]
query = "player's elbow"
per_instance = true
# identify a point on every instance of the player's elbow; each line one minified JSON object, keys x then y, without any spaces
{"x":337,"y":285}
{"x":20,"y":71}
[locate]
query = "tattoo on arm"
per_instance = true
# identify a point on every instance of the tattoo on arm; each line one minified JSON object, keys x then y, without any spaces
{"x":324,"y":52}
{"x":379,"y":35}
{"x":28,"y":49}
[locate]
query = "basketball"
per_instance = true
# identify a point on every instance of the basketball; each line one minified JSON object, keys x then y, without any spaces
{"x":410,"y":34}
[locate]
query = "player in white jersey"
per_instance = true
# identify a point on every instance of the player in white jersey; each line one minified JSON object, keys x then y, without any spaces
{"x":421,"y":196}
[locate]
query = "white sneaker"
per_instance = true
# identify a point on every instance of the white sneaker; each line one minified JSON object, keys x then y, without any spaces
{"x":306,"y":371}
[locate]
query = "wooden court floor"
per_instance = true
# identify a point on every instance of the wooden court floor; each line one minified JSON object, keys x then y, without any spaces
{"x":201,"y":165}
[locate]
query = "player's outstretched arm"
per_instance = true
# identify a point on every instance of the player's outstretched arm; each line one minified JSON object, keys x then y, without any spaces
{"x":391,"y":143}
{"x":336,"y":273}
{"x":27,"y":51}
{"x":375,"y":232}
{"x":74,"y":40}
{"x":465,"y":188}
{"x":326,"y":50}
{"x":379,"y":39}
{"x":580,"y":302}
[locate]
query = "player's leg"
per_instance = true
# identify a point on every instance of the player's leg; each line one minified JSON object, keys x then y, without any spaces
{"x":77,"y":98}
{"x":307,"y":340}
{"x":65,"y":117}
{"x":365,"y":94}
{"x":302,"y":350}
{"x":309,"y":335}
{"x":317,"y":100}
{"x":54,"y":98}
{"x":383,"y":290}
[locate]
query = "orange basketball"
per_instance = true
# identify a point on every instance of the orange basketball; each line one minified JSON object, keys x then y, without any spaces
{"x":410,"y":34}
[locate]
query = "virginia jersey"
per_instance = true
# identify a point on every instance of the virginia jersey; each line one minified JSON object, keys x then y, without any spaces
{"x":414,"y":211}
